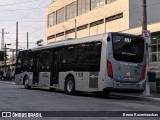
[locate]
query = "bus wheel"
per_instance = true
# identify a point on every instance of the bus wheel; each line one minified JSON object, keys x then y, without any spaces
{"x":70,"y":85}
{"x":26,"y":82}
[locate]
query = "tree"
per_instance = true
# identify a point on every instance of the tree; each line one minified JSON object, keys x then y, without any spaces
{"x":2,"y":56}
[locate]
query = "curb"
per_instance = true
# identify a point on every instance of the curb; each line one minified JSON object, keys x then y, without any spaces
{"x":151,"y":97}
{"x":7,"y":82}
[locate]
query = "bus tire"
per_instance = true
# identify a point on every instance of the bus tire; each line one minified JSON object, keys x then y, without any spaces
{"x":26,"y":82}
{"x":70,"y":85}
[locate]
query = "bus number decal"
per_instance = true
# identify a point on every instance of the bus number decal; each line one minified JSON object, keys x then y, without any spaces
{"x":45,"y":75}
{"x":127,"y":40}
{"x":80,"y":74}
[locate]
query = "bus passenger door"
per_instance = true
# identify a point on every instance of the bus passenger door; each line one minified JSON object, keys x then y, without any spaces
{"x":44,"y":68}
{"x":36,"y":69}
{"x":54,"y":72}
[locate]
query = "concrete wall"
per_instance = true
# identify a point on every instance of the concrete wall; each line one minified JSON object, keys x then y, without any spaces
{"x":131,"y":21}
{"x":153,"y":27}
{"x":99,"y":13}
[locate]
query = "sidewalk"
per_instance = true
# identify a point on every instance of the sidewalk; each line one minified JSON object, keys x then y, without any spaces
{"x":8,"y":82}
{"x":153,"y":96}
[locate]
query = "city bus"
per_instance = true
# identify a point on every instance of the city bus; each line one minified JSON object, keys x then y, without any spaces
{"x":100,"y":64}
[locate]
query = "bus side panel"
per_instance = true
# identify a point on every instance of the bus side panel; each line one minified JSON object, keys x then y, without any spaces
{"x":62,"y":78}
{"x":84,"y":81}
{"x":103,"y":69}
{"x":20,"y":77}
{"x":106,"y":46}
{"x":30,"y":76}
{"x":44,"y":78}
{"x":81,"y":79}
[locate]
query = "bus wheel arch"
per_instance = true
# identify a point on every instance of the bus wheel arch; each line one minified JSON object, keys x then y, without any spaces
{"x":69,"y":85}
{"x":26,"y":82}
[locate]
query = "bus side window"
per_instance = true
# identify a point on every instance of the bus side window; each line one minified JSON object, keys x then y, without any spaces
{"x":67,"y":55}
{"x":44,"y":61}
{"x":94,"y":53}
{"x":25,"y":61}
{"x":19,"y":65}
{"x":30,"y":61}
{"x":81,"y":56}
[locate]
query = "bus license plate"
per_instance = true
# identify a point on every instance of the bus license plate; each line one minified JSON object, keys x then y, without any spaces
{"x":128,"y":85}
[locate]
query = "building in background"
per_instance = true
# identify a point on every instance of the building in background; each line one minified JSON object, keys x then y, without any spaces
{"x":80,"y":18}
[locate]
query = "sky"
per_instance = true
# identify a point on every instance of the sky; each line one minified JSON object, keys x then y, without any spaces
{"x":30,"y":15}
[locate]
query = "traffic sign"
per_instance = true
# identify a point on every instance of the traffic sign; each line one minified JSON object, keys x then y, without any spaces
{"x":146,"y":35}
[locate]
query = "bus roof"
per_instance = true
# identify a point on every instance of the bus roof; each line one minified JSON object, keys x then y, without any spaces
{"x":69,"y":41}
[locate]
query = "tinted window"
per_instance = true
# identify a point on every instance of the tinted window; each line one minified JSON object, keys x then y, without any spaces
{"x":67,"y":55}
{"x":24,"y":61}
{"x":89,"y":53}
{"x":94,"y":53}
{"x":82,"y":53}
{"x":45,"y":60}
{"x":88,"y":56}
{"x":128,"y":48}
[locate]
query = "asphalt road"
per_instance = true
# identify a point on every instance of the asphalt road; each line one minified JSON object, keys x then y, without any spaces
{"x":16,"y":98}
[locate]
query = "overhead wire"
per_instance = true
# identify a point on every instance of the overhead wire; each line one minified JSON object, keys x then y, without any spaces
{"x":58,"y":6}
{"x":18,"y":3}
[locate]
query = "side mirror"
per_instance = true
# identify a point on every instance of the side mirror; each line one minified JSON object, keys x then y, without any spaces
{"x":108,"y":39}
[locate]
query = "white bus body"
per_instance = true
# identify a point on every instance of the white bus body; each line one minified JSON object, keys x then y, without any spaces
{"x":106,"y":62}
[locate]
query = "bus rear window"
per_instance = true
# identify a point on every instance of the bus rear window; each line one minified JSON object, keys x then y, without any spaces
{"x":128,"y":48}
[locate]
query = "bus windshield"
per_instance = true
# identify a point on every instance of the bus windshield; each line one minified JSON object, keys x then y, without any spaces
{"x":128,"y":48}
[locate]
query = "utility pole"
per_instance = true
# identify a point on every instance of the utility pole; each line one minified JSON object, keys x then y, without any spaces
{"x":13,"y":50}
{"x":2,"y":42}
{"x":4,"y":54}
{"x":16,"y":39}
{"x":104,"y":25}
{"x":75,"y":28}
{"x":27,"y":40}
{"x":144,"y":15}
{"x":144,"y":27}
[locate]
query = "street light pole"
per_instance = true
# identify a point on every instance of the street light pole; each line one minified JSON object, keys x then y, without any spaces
{"x":144,"y":27}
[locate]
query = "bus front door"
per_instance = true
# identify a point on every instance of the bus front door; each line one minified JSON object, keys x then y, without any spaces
{"x":54,"y":80}
{"x":36,"y":70}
